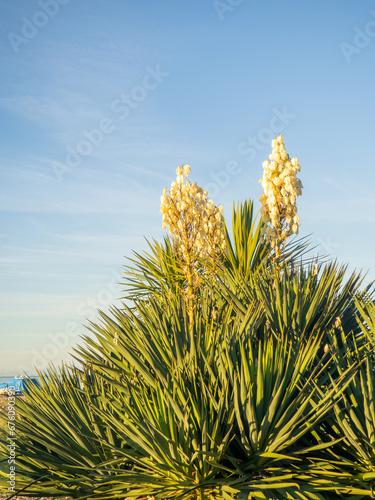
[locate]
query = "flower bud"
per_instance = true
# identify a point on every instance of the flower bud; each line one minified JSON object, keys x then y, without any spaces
{"x":186,"y":169}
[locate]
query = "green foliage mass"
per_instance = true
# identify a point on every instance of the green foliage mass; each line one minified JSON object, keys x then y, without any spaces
{"x":265,"y":390}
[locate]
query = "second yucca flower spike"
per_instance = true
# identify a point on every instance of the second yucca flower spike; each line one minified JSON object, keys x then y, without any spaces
{"x":280,"y":189}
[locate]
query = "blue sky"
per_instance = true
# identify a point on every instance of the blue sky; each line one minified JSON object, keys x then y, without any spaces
{"x":101,"y":101}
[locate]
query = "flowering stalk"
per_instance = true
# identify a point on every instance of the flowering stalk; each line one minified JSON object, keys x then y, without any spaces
{"x":281,"y":187}
{"x":196,"y":226}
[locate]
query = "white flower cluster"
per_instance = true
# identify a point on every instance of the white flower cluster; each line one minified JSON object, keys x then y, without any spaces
{"x":280,"y":189}
{"x":195,"y":223}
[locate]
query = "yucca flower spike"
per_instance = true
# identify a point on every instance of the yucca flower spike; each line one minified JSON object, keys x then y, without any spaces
{"x":280,"y":189}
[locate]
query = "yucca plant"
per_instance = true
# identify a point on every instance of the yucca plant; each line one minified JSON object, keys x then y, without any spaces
{"x":160,"y":412}
{"x":233,"y":408}
{"x":237,"y":374}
